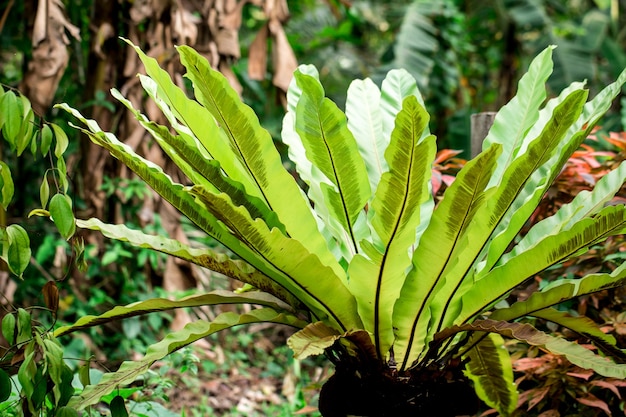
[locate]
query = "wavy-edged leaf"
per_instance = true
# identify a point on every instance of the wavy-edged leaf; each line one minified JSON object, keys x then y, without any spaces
{"x":300,"y":272}
{"x":365,"y":123}
{"x":538,"y":183}
{"x":585,"y":327}
{"x":192,"y":332}
{"x":476,"y":236}
{"x":465,"y":196}
{"x":549,"y":251}
{"x":310,"y":174}
{"x":154,"y":305}
{"x":576,"y":354}
{"x":207,"y":258}
{"x":417,"y":44}
{"x":376,"y":281}
{"x":491,"y":370}
{"x":586,"y":203}
{"x":176,"y":194}
{"x":196,"y":120}
{"x":560,"y":291}
{"x":331,"y":147}
{"x":186,"y":152}
{"x":515,"y":119}
{"x":255,"y":149}
{"x":397,"y":85}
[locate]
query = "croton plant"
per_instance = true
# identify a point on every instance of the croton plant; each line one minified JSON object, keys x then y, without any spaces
{"x":406,"y":297}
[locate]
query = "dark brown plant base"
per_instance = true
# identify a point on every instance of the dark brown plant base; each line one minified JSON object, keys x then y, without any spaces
{"x":425,"y":393}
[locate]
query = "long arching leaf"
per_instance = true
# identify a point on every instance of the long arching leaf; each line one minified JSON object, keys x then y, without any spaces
{"x":376,"y":281}
{"x":187,"y":153}
{"x":255,"y":148}
{"x":179,"y":196}
{"x":365,"y":123}
{"x":549,"y":251}
{"x":300,"y":272}
{"x":515,"y":119}
{"x":218,"y":262}
{"x":586,"y":203}
{"x":465,"y":196}
{"x":466,"y":252}
{"x":585,"y":327}
{"x":491,"y":370}
{"x":129,"y":371}
{"x":154,"y":305}
{"x":176,"y":105}
{"x":576,"y":354}
{"x":560,"y":291}
{"x":331,"y":147}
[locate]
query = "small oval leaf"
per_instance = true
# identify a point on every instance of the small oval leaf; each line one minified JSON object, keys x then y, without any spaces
{"x":118,"y":408}
{"x":7,"y":185}
{"x":62,"y":140}
{"x":24,"y":326}
{"x":46,"y":139}
{"x":8,"y":328}
{"x":62,"y":215}
{"x":44,"y":192}
{"x":18,"y":254}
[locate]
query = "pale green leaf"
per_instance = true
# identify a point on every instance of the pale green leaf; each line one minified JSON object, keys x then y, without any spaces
{"x":550,"y":250}
{"x":154,"y":305}
{"x":491,"y":370}
{"x":8,"y":328}
{"x":44,"y":192}
{"x":586,"y":203}
{"x":129,"y":371}
{"x":218,"y":262}
{"x":62,"y":140}
{"x":461,"y":202}
{"x":395,"y":212}
{"x":529,"y":197}
{"x":560,"y":291}
{"x":295,"y":269}
{"x":190,"y":119}
{"x":255,"y":149}
{"x":26,"y":134}
{"x":365,"y":122}
{"x":466,"y":252}
{"x":515,"y":119}
{"x":188,"y":155}
{"x":176,"y":194}
{"x":24,"y":326}
{"x":310,"y":174}
{"x":12,"y":112}
{"x":576,"y":354}
{"x":397,"y":85}
{"x":331,"y":147}
{"x":585,"y":327}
